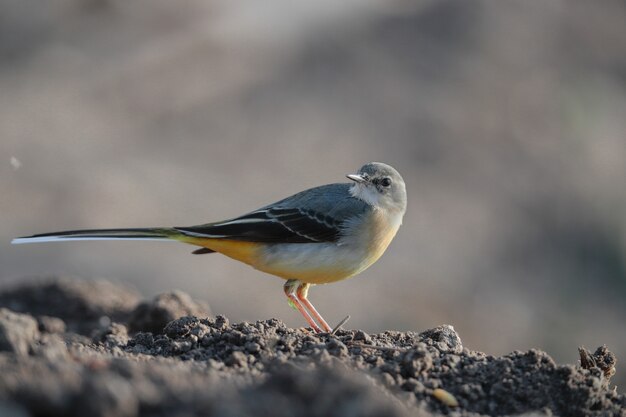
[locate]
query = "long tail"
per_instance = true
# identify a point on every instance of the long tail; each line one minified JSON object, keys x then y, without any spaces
{"x":102,"y":234}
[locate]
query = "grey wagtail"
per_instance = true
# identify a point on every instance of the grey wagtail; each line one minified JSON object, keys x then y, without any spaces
{"x":320,"y":235}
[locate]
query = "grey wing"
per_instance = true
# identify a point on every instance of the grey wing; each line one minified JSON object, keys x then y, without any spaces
{"x":315,"y":215}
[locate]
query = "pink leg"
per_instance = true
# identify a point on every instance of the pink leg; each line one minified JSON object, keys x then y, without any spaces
{"x":291,"y":287}
{"x":302,"y":292}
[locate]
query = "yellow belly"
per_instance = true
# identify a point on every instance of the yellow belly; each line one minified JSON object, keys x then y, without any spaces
{"x":246,"y":252}
{"x":313,"y":263}
{"x":303,"y":261}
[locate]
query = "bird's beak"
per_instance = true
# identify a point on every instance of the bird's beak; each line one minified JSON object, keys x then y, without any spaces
{"x":356,"y":178}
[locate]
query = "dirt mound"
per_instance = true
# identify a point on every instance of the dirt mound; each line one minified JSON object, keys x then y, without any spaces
{"x":207,"y":366}
{"x":82,"y":305}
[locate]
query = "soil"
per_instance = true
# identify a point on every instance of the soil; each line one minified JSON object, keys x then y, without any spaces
{"x":79,"y":348}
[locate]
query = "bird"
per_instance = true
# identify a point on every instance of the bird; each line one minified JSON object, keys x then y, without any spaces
{"x":317,"y":236}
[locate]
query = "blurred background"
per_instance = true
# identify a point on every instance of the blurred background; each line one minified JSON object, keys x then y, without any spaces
{"x":506,"y":119}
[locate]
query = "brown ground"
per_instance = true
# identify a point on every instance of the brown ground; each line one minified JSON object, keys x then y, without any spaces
{"x":66,"y":350}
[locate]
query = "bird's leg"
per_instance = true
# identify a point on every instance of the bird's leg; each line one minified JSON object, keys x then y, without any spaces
{"x":291,"y":288}
{"x":302,"y":292}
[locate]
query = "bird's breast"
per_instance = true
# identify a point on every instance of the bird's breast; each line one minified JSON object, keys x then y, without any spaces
{"x":376,"y":234}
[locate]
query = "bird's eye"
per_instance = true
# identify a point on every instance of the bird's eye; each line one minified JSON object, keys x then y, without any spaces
{"x":385,"y":182}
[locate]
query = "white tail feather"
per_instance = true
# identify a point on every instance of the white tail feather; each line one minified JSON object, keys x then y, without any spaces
{"x":24,"y":240}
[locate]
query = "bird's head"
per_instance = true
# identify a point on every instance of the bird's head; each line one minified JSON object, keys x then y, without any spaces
{"x":381,"y":186}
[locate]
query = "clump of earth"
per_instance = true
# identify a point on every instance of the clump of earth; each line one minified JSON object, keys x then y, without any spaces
{"x":78,"y":348}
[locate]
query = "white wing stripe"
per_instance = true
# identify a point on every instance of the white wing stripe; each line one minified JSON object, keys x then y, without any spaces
{"x":241,"y":221}
{"x":196,"y":234}
{"x":282,"y":223}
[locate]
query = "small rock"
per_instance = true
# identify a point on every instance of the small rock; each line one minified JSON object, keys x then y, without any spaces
{"x":143,"y":339}
{"x":444,"y":338}
{"x":361,"y":335}
{"x":337,"y":348}
{"x":106,"y":394}
{"x":252,"y":347}
{"x":115,"y":335}
{"x":221,"y":322}
{"x":153,"y":316}
{"x":413,"y":385}
{"x":387,"y":379}
{"x":50,"y":324}
{"x":17,"y":332}
{"x":180,"y":327}
{"x":182,"y":346}
{"x":51,"y":347}
{"x":236,"y":359}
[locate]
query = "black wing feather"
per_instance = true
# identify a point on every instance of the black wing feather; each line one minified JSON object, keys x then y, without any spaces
{"x":273,"y":225}
{"x":292,"y":220}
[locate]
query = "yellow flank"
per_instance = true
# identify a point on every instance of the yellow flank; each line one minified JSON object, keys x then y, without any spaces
{"x":246,"y":252}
